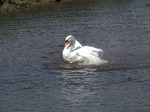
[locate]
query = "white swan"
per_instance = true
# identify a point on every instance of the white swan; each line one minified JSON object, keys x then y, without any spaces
{"x":74,"y":52}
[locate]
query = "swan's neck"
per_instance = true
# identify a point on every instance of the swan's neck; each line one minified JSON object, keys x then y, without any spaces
{"x":71,"y":45}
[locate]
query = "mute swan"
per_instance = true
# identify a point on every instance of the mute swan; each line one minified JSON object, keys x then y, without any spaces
{"x":74,"y":52}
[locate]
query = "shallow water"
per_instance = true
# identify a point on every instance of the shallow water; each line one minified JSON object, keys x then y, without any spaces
{"x":35,"y":78}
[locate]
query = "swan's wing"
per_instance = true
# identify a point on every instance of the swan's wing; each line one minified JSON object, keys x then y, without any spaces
{"x":88,"y":51}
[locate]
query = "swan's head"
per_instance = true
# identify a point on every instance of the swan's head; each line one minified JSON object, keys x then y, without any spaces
{"x":69,"y":41}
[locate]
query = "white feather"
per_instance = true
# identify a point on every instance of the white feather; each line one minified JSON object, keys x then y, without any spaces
{"x":84,"y":55}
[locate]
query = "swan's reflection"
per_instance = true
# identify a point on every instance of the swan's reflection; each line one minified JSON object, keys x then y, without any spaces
{"x":77,"y":85}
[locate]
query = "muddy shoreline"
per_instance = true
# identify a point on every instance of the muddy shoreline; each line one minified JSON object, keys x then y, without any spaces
{"x":16,"y":5}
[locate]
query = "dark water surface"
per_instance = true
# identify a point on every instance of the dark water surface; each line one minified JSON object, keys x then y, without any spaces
{"x":34,"y":77}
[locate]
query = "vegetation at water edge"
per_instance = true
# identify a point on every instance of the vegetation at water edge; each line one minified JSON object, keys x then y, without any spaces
{"x":9,"y":5}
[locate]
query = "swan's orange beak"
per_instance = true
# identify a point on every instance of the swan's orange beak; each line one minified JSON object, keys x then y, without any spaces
{"x":66,"y":43}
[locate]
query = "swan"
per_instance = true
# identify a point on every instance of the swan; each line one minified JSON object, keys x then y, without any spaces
{"x":74,"y":52}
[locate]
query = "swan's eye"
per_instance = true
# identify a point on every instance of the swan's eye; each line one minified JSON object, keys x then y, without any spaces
{"x":66,"y":40}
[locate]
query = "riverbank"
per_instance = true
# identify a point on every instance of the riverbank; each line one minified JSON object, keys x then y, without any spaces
{"x":12,"y":5}
{"x":16,"y":5}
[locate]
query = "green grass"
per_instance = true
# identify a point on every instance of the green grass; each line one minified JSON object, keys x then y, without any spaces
{"x":6,"y":6}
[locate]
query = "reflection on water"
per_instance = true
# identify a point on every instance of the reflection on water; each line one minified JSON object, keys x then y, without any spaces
{"x":89,"y":90}
{"x":75,"y":83}
{"x":35,"y":78}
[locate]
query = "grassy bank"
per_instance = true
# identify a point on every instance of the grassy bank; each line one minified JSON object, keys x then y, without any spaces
{"x":10,"y":5}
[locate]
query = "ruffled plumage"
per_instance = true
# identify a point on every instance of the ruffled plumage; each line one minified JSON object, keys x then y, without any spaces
{"x":74,"y":52}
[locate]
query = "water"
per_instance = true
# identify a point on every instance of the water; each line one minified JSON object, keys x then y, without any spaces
{"x":35,"y":78}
